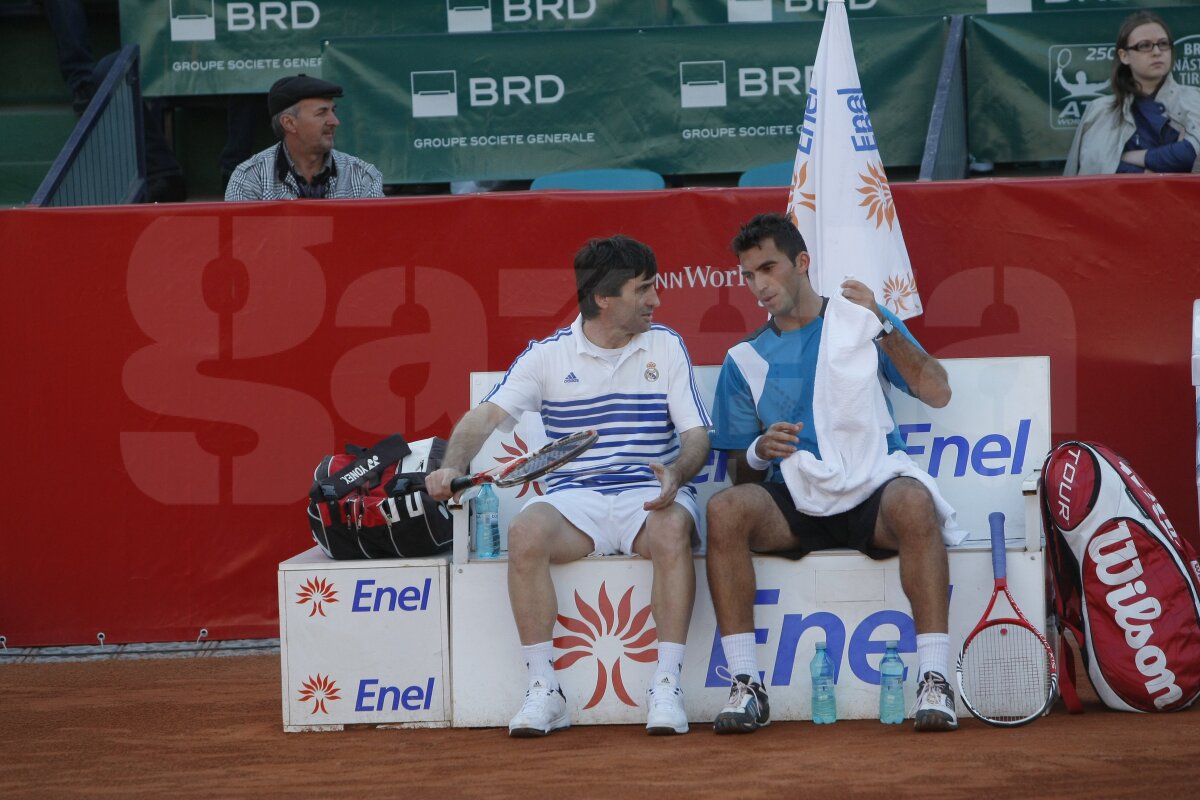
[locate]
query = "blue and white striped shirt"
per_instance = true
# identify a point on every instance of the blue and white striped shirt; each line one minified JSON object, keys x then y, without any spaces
{"x":639,"y":404}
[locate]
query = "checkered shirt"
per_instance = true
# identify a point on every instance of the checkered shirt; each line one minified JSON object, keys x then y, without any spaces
{"x":258,"y":178}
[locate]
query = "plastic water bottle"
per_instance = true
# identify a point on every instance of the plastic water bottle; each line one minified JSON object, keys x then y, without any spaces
{"x":824,"y":701}
{"x":487,"y":523}
{"x":891,"y":686}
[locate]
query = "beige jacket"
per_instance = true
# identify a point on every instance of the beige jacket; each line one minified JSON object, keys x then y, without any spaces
{"x":1101,"y":136}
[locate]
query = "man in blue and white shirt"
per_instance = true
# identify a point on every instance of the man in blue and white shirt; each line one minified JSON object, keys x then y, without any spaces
{"x":764,"y":413}
{"x":615,"y":372}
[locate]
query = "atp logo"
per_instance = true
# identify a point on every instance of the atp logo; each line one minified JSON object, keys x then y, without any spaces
{"x":1079,"y":75}
{"x":320,"y":690}
{"x":608,"y":636}
{"x":517,"y":449}
{"x":317,"y":591}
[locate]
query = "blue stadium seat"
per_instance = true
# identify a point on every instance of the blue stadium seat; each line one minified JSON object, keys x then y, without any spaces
{"x":618,"y":179}
{"x":778,"y":174}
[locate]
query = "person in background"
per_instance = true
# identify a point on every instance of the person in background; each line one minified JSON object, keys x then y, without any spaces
{"x":304,"y":163}
{"x":68,"y":23}
{"x":83,"y":75}
{"x":1151,"y":124}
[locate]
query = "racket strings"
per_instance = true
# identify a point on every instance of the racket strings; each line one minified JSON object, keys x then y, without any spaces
{"x":1006,"y":673}
{"x":549,"y":456}
{"x":538,"y":461}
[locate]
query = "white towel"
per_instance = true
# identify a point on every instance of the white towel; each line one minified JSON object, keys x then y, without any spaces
{"x":852,"y":421}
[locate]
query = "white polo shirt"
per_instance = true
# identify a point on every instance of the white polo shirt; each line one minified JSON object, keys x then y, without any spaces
{"x":638,"y":401}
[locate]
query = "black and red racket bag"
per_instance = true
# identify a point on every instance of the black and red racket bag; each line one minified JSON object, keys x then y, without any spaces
{"x":1125,"y":584}
{"x":362,"y":503}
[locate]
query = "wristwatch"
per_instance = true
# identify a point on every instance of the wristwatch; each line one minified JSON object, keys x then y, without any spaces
{"x":888,"y":327}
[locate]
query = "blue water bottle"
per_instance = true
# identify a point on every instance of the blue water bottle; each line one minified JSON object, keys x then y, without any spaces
{"x":824,"y":701}
{"x":891,"y":686}
{"x":487,"y":524}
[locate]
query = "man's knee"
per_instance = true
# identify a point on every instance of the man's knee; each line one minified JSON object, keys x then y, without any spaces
{"x":529,"y":535}
{"x":670,"y":529}
{"x":907,"y":516}
{"x":729,"y":516}
{"x":907,"y":499}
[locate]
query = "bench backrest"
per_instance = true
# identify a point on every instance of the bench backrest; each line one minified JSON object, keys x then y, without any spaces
{"x":978,"y":448}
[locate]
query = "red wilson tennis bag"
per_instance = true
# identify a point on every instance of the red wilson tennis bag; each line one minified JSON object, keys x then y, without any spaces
{"x":361,"y":505}
{"x":1126,"y":585}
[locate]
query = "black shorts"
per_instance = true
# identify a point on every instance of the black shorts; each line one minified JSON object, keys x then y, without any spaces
{"x":853,"y":528}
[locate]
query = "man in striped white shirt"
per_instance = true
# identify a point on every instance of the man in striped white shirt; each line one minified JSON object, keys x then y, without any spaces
{"x":615,"y":372}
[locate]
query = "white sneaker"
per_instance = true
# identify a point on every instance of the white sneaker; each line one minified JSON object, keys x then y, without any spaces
{"x":544,"y":711}
{"x":934,"y":710}
{"x":747,"y":709}
{"x":665,"y":701}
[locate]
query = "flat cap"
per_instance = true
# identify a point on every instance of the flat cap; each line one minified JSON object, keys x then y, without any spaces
{"x":286,"y":92}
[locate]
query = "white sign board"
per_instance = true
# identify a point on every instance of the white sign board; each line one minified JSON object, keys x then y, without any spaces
{"x":363,"y":642}
{"x":995,"y":430}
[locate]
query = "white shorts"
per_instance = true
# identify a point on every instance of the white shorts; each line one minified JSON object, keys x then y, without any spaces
{"x":611,"y":521}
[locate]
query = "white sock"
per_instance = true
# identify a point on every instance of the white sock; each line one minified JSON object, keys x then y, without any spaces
{"x":741,"y":654}
{"x":670,"y":658}
{"x":539,"y":658}
{"x":933,"y":654}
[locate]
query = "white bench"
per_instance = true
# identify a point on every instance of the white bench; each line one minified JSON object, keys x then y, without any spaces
{"x":431,"y":642}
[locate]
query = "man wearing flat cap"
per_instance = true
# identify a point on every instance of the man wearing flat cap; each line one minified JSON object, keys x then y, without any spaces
{"x":304,"y":163}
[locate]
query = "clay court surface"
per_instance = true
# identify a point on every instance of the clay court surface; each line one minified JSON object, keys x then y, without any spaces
{"x":211,"y":727}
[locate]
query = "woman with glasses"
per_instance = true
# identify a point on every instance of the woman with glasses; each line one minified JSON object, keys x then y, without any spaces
{"x":1151,"y":123}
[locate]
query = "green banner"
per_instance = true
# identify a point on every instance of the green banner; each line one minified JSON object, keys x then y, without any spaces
{"x":1030,"y":76}
{"x":1085,"y":5}
{"x":201,"y":47}
{"x":715,"y":12}
{"x":675,"y":100}
{"x":196,"y":47}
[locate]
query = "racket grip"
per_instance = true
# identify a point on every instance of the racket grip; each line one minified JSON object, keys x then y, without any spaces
{"x":999,"y":556}
{"x":464,"y":482}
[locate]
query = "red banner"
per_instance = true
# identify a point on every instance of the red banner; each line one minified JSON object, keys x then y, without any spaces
{"x":175,"y":373}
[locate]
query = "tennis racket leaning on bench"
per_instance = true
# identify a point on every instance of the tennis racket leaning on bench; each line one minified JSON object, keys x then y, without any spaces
{"x":1007,"y":675}
{"x":531,"y":466}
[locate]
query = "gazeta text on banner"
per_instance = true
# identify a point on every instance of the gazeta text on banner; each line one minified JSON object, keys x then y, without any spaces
{"x":213,"y":412}
{"x":675,"y":100}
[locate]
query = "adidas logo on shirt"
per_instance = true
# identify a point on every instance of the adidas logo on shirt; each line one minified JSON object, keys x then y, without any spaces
{"x":570,"y":378}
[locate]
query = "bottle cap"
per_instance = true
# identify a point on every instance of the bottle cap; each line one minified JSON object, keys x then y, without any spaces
{"x":893,"y":645}
{"x":821,"y":645}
